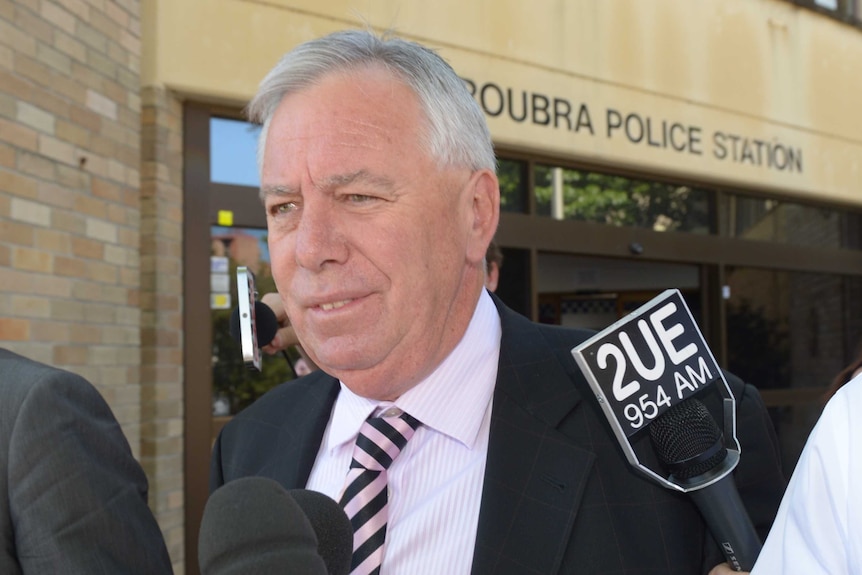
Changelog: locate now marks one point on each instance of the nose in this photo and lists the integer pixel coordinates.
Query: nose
(319, 240)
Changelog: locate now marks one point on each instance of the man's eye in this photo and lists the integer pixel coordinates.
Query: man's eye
(359, 198)
(285, 208)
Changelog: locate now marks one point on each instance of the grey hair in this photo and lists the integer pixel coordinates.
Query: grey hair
(455, 133)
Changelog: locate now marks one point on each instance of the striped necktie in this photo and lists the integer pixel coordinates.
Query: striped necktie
(365, 497)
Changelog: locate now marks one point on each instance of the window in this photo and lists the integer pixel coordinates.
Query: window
(845, 10)
(513, 185)
(234, 385)
(789, 333)
(233, 152)
(782, 222)
(566, 193)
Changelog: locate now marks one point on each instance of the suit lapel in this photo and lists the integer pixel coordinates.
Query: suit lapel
(285, 432)
(535, 475)
(320, 396)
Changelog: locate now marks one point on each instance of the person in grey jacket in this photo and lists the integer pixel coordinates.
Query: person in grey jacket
(73, 499)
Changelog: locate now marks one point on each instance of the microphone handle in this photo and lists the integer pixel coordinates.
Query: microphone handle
(729, 523)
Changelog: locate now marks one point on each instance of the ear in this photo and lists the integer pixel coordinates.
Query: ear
(485, 190)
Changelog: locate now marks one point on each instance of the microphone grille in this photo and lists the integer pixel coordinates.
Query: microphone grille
(687, 440)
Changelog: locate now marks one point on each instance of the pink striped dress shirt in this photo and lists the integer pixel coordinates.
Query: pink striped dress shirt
(436, 482)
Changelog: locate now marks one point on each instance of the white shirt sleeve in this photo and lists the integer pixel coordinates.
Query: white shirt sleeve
(817, 526)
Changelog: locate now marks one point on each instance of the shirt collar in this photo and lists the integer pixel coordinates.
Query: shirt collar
(452, 400)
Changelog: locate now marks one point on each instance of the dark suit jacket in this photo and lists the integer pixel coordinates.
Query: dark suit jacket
(559, 495)
(73, 500)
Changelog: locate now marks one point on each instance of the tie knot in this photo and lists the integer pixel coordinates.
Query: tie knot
(382, 438)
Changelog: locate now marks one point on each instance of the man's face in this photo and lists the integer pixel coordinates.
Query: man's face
(376, 250)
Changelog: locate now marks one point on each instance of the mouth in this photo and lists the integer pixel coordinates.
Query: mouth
(334, 305)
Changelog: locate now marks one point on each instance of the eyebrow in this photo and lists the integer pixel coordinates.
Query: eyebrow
(358, 177)
(277, 190)
(332, 182)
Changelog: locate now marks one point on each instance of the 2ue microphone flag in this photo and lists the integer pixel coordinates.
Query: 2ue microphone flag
(649, 361)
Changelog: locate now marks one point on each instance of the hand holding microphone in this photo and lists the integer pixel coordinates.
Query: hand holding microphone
(284, 336)
(255, 325)
(725, 569)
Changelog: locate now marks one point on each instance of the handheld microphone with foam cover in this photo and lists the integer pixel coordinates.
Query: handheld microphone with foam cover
(332, 527)
(690, 445)
(252, 525)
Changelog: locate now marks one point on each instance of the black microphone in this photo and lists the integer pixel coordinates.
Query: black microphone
(266, 324)
(690, 445)
(645, 370)
(332, 527)
(252, 525)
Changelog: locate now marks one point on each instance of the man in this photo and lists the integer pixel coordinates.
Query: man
(73, 500)
(381, 197)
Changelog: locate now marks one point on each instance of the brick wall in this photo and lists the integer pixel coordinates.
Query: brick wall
(90, 233)
(162, 318)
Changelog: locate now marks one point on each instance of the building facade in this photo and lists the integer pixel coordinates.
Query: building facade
(713, 147)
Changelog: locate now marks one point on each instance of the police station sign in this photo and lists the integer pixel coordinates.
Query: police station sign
(644, 364)
(634, 127)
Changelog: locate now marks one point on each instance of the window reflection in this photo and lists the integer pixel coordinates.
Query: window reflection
(789, 333)
(782, 222)
(513, 185)
(565, 193)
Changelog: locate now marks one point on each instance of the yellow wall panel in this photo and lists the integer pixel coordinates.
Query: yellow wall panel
(765, 71)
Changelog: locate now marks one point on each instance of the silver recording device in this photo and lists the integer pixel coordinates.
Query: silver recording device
(246, 296)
